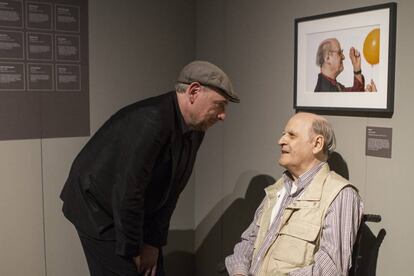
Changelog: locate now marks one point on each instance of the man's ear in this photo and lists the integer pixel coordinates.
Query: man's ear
(327, 58)
(193, 91)
(318, 143)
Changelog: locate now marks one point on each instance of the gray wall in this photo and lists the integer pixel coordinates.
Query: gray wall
(253, 41)
(136, 50)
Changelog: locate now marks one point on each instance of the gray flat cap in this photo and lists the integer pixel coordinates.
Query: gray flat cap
(208, 74)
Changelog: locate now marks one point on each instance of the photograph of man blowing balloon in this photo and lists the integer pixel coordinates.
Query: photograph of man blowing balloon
(360, 50)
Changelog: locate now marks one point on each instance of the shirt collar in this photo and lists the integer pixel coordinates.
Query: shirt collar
(295, 187)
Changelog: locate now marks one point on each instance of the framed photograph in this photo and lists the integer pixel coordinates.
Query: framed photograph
(345, 62)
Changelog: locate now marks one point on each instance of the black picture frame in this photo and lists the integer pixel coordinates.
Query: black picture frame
(372, 32)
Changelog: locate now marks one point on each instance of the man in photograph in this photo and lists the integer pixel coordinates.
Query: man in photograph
(329, 58)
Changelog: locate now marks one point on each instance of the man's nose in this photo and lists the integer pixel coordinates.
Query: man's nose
(281, 141)
(221, 116)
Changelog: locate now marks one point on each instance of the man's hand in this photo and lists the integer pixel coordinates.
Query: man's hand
(147, 260)
(355, 57)
(371, 87)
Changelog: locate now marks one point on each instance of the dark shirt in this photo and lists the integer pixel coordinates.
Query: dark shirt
(326, 84)
(168, 183)
(188, 151)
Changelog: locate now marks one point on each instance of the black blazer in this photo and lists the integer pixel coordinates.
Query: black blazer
(324, 85)
(122, 185)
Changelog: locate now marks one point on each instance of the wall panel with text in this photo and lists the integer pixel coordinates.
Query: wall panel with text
(44, 69)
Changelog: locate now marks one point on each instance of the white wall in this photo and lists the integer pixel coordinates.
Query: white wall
(136, 50)
(253, 41)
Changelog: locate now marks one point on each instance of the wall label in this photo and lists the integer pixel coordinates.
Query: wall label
(378, 142)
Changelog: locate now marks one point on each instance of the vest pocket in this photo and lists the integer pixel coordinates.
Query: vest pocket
(295, 244)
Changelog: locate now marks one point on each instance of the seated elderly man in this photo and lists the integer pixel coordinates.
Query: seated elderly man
(308, 220)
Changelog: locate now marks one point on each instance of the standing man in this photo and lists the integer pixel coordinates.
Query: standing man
(308, 221)
(124, 184)
(330, 58)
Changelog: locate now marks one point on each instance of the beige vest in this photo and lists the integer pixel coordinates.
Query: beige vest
(301, 223)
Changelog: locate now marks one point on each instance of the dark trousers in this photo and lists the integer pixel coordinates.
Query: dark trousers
(102, 260)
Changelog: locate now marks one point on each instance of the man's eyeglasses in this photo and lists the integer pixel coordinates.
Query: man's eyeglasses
(340, 52)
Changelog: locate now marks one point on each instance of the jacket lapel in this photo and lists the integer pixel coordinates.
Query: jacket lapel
(175, 152)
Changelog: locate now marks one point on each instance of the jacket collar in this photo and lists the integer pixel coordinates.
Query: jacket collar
(183, 126)
(314, 190)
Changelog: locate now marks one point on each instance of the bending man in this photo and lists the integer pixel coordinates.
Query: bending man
(124, 184)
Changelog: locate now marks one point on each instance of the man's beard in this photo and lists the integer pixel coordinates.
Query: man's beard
(203, 125)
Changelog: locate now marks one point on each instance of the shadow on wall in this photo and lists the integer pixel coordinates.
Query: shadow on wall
(338, 164)
(179, 256)
(226, 232)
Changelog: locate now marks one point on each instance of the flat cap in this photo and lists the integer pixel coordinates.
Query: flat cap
(208, 74)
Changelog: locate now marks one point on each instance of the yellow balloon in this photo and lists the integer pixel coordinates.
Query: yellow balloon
(372, 46)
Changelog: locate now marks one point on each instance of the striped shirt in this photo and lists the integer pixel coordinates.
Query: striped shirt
(339, 232)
